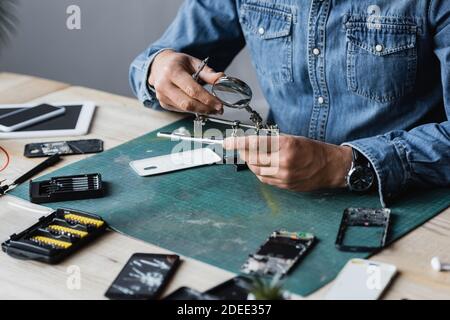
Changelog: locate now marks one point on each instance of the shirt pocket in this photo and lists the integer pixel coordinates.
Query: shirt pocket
(267, 28)
(381, 59)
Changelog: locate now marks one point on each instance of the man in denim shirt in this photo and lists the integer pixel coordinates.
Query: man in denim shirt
(360, 88)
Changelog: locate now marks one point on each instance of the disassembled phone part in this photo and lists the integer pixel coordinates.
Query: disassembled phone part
(353, 282)
(185, 293)
(144, 277)
(45, 149)
(363, 218)
(55, 236)
(237, 288)
(279, 254)
(175, 162)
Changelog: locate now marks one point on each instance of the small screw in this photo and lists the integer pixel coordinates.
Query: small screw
(437, 265)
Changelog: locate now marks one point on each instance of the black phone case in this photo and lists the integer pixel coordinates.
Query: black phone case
(113, 295)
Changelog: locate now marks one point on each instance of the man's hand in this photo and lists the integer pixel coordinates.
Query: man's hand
(171, 76)
(294, 163)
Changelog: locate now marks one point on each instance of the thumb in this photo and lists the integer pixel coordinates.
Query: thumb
(208, 75)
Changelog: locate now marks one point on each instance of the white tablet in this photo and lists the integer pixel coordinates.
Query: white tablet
(74, 122)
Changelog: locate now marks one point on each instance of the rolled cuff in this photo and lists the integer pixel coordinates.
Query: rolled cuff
(147, 93)
(388, 158)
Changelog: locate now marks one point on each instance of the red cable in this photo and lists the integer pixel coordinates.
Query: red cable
(7, 159)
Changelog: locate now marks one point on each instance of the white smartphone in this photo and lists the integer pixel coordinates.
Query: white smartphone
(362, 280)
(175, 162)
(25, 117)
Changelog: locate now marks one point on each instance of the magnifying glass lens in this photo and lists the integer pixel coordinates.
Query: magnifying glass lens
(232, 92)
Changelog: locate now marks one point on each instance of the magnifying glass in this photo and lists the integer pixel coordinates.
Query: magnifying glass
(232, 92)
(236, 94)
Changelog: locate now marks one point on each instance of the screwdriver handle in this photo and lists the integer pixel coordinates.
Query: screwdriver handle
(39, 168)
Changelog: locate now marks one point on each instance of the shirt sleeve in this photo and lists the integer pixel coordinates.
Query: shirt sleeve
(202, 28)
(420, 157)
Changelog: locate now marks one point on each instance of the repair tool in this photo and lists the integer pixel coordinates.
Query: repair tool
(235, 94)
(69, 188)
(55, 236)
(202, 66)
(41, 167)
(180, 137)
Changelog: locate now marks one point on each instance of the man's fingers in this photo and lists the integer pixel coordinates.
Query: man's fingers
(166, 103)
(267, 172)
(274, 182)
(187, 84)
(260, 159)
(261, 144)
(208, 75)
(183, 102)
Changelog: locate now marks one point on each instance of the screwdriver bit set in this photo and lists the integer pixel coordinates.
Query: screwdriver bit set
(55, 236)
(87, 186)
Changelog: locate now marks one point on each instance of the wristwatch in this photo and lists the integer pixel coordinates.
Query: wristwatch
(361, 177)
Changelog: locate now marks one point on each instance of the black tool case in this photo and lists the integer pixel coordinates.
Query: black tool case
(71, 228)
(79, 187)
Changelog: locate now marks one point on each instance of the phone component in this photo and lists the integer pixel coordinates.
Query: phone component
(175, 162)
(25, 117)
(44, 149)
(279, 253)
(362, 280)
(237, 288)
(185, 293)
(143, 277)
(357, 218)
(54, 237)
(69, 188)
(5, 188)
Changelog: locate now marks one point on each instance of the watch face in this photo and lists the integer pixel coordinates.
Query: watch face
(361, 179)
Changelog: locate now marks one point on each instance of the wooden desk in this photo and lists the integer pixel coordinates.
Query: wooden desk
(119, 119)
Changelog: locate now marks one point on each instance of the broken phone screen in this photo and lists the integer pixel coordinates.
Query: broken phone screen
(46, 149)
(279, 254)
(143, 277)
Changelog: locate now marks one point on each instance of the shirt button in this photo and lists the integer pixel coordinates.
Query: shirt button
(316, 51)
(261, 31)
(379, 48)
(321, 100)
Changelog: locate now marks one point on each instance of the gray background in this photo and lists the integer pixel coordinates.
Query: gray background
(113, 33)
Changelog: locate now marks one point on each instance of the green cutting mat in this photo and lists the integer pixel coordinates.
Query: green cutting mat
(219, 216)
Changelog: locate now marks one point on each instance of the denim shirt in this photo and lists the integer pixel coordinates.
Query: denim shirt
(371, 74)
